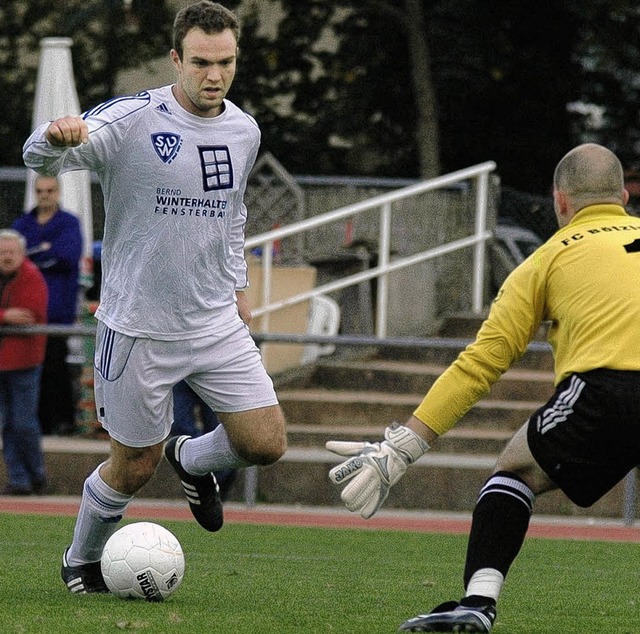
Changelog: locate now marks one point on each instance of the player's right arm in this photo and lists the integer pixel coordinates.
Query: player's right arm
(61, 146)
(90, 141)
(69, 131)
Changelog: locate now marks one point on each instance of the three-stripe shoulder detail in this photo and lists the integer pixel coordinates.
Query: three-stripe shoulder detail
(119, 107)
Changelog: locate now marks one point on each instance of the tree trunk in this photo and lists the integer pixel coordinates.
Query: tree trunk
(427, 129)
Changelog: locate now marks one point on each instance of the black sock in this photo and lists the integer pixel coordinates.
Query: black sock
(500, 522)
(476, 601)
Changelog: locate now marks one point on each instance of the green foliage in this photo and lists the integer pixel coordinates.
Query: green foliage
(106, 40)
(338, 102)
(333, 88)
(610, 59)
(504, 76)
(249, 579)
(504, 72)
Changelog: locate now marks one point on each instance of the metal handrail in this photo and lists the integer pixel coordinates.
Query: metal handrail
(629, 486)
(385, 265)
(454, 343)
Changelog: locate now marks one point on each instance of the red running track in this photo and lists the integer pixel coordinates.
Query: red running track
(553, 528)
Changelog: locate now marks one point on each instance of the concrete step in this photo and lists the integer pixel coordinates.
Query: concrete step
(438, 481)
(445, 481)
(458, 440)
(539, 358)
(322, 406)
(410, 377)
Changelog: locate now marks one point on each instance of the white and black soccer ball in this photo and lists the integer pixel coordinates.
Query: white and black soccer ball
(143, 560)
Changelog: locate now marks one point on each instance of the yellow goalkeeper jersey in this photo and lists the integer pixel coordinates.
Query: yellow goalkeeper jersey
(585, 280)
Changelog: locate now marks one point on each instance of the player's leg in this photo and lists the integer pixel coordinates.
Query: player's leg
(583, 441)
(134, 406)
(128, 469)
(237, 387)
(244, 438)
(106, 494)
(501, 517)
(252, 437)
(500, 522)
(258, 436)
(232, 381)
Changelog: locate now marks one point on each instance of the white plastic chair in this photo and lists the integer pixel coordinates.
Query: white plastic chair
(324, 319)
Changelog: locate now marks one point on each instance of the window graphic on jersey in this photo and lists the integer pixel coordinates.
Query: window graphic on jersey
(217, 172)
(167, 145)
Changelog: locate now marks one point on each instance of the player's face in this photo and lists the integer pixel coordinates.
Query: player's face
(206, 71)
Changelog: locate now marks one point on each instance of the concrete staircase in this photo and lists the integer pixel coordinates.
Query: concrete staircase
(356, 398)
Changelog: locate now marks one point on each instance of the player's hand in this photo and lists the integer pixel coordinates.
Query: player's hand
(243, 307)
(68, 131)
(374, 467)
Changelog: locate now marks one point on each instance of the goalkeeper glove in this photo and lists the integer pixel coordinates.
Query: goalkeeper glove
(374, 467)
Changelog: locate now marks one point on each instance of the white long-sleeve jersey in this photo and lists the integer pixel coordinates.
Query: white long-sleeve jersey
(173, 186)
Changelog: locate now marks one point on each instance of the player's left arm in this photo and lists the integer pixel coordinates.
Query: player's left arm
(371, 469)
(244, 310)
(237, 241)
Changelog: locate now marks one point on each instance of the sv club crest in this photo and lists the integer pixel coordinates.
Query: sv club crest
(167, 145)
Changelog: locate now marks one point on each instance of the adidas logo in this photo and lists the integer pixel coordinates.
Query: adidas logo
(163, 108)
(76, 585)
(191, 492)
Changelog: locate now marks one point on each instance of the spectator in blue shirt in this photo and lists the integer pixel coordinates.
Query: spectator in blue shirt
(54, 245)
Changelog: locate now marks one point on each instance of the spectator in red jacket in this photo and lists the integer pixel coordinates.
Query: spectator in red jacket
(23, 302)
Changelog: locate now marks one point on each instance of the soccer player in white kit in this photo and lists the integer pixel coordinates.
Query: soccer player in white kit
(173, 163)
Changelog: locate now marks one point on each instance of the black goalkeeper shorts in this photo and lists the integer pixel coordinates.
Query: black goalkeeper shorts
(587, 436)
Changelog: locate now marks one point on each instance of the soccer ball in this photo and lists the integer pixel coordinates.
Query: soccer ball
(142, 560)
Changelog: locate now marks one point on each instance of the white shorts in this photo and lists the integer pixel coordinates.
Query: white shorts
(134, 377)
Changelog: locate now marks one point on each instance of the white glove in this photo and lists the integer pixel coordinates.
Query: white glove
(375, 467)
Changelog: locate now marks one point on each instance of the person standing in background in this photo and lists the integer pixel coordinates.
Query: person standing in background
(23, 302)
(54, 245)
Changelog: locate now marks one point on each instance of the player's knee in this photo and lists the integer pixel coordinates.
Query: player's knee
(133, 468)
(266, 452)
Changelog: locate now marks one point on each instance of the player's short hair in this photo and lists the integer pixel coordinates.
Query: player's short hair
(209, 16)
(590, 173)
(12, 234)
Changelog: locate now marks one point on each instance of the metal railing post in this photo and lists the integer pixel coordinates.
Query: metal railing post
(267, 272)
(629, 498)
(480, 247)
(384, 251)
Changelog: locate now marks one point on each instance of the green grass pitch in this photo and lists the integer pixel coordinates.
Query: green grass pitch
(280, 580)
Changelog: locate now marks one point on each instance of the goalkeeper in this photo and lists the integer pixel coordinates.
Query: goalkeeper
(584, 281)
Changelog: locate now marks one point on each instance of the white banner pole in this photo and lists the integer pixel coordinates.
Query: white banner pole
(56, 96)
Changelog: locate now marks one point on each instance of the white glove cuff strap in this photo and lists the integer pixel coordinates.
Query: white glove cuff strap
(406, 441)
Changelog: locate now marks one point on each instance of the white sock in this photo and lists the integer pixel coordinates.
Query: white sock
(101, 508)
(210, 452)
(486, 582)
